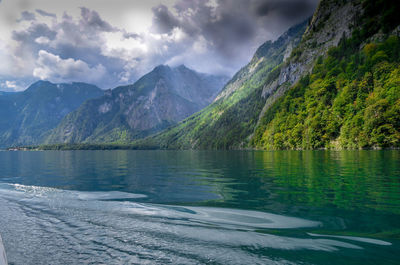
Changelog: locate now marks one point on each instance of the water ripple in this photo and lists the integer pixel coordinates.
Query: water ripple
(95, 227)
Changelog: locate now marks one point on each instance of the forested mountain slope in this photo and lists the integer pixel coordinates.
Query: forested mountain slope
(231, 118)
(339, 88)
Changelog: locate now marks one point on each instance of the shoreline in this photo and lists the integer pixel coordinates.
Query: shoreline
(99, 147)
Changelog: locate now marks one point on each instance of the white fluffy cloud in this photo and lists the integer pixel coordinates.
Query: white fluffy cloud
(52, 67)
(11, 86)
(42, 40)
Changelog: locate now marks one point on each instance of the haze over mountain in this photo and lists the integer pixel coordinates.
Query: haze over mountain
(26, 117)
(159, 99)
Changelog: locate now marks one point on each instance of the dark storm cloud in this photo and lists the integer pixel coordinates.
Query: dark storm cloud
(45, 14)
(34, 31)
(163, 20)
(27, 40)
(91, 19)
(232, 26)
(287, 9)
(228, 30)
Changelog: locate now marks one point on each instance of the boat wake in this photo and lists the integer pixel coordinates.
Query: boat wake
(51, 226)
(3, 257)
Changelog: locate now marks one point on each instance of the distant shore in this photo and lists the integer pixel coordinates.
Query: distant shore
(71, 147)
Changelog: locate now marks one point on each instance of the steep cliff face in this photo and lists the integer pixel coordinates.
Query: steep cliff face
(157, 100)
(333, 20)
(231, 118)
(268, 55)
(346, 65)
(27, 116)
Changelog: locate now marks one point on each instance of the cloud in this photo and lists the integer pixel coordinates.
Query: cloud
(163, 21)
(45, 14)
(285, 8)
(27, 16)
(42, 40)
(11, 86)
(91, 19)
(128, 35)
(228, 30)
(52, 67)
(27, 42)
(35, 30)
(212, 36)
(81, 40)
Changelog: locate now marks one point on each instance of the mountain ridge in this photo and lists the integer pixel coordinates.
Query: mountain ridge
(157, 100)
(234, 112)
(28, 115)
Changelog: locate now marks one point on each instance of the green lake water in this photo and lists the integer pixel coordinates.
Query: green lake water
(200, 207)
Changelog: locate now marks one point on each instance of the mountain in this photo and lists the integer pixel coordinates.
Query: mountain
(27, 116)
(336, 88)
(159, 99)
(232, 117)
(345, 87)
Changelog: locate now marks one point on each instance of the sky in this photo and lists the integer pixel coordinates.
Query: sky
(115, 42)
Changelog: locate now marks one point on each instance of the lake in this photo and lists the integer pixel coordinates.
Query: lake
(200, 207)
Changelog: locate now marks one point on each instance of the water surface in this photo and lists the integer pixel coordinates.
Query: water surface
(196, 207)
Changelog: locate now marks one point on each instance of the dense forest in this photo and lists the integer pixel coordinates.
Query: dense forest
(352, 97)
(351, 100)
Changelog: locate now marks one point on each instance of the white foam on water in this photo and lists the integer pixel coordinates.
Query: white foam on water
(3, 257)
(356, 238)
(108, 195)
(84, 227)
(248, 218)
(95, 195)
